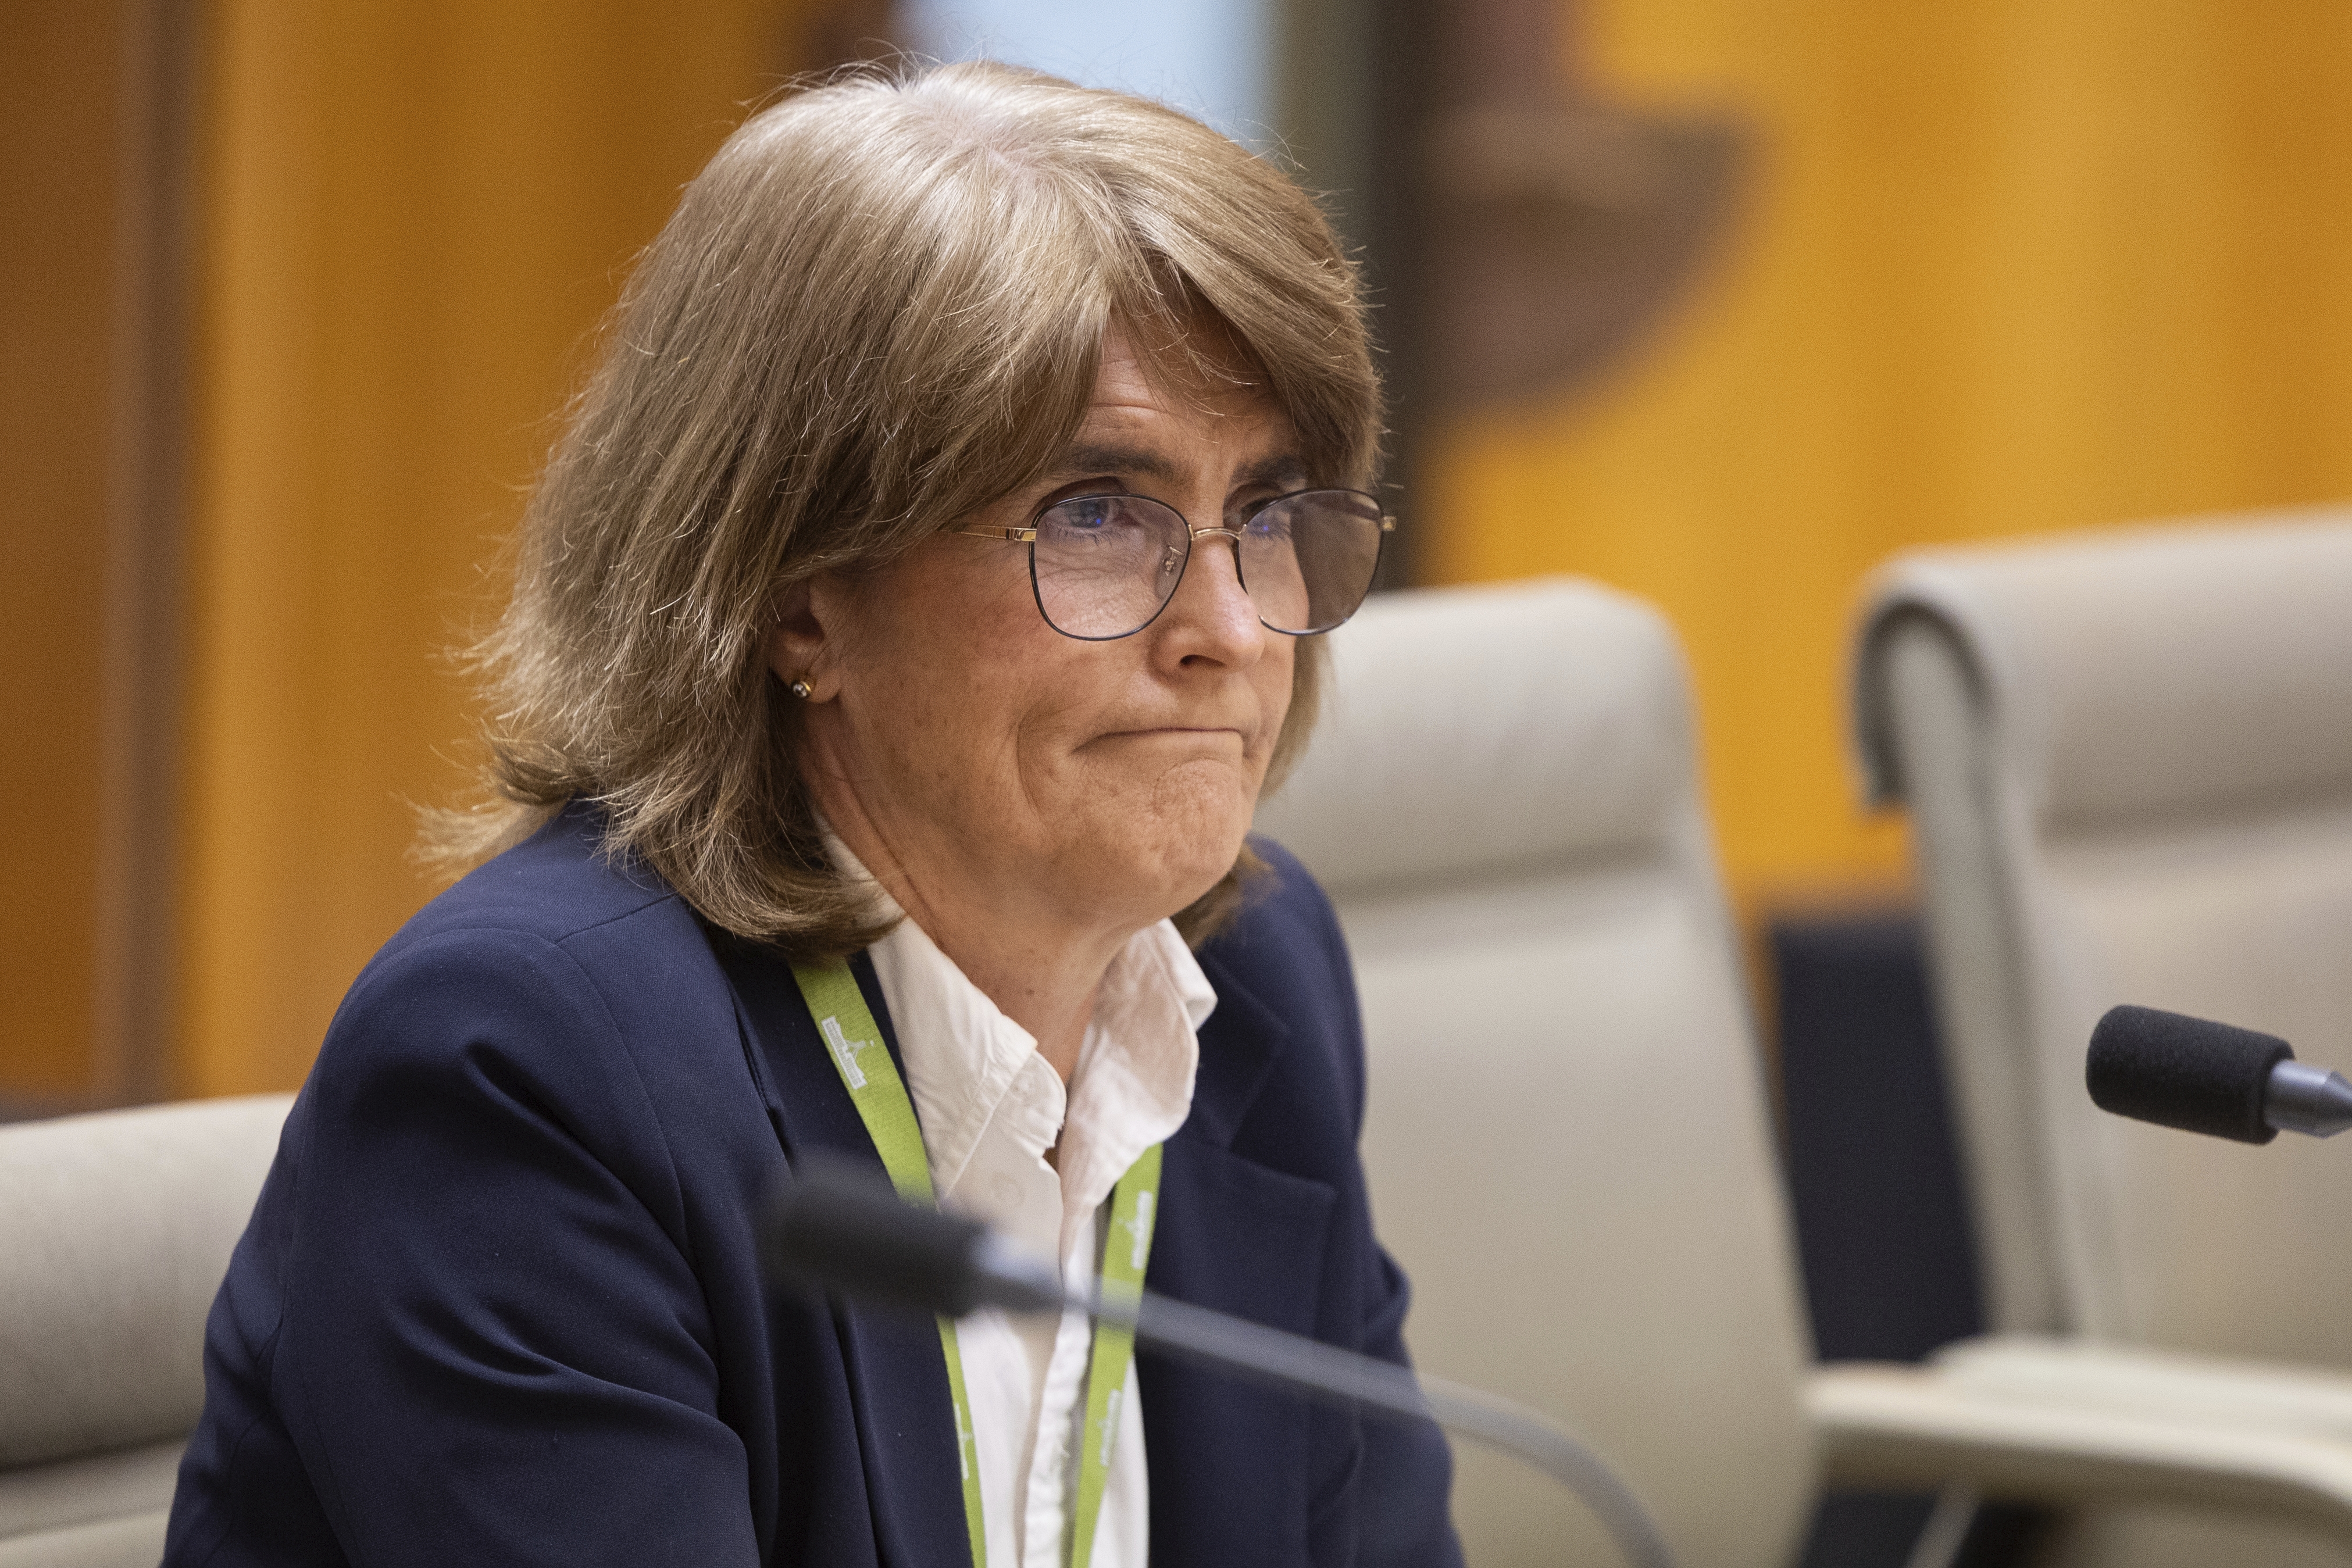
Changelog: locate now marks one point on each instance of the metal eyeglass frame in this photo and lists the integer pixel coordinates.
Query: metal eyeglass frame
(1028, 535)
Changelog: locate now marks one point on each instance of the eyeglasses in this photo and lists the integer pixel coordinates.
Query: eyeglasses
(1105, 566)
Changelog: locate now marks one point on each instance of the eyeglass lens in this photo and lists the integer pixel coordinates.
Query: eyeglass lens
(1104, 565)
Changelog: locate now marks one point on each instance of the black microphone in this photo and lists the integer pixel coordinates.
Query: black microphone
(2213, 1078)
(838, 1228)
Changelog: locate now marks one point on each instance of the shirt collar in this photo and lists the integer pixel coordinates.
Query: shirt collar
(972, 1069)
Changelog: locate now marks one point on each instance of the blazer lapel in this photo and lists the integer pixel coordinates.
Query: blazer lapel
(1239, 1045)
(1244, 1239)
(896, 1375)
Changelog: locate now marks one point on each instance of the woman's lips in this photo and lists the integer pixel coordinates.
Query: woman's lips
(1233, 730)
(1178, 735)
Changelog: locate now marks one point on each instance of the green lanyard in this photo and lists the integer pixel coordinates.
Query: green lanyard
(872, 1079)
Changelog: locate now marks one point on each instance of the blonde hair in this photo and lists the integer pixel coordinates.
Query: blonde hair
(878, 308)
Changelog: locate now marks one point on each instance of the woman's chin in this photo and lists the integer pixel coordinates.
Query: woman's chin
(1208, 807)
(1190, 866)
(1149, 849)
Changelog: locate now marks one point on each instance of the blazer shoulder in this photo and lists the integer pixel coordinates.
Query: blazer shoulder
(553, 949)
(555, 884)
(552, 985)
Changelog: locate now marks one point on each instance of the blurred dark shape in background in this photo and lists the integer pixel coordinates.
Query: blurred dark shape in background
(1520, 231)
(1527, 230)
(1882, 1227)
(100, 115)
(839, 33)
(1554, 225)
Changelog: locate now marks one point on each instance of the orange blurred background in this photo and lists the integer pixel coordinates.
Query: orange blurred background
(2001, 268)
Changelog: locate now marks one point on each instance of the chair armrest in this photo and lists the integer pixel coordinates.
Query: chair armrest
(2273, 1396)
(1920, 1428)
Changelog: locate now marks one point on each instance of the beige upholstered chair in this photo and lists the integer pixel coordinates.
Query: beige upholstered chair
(1567, 1135)
(115, 1231)
(2129, 760)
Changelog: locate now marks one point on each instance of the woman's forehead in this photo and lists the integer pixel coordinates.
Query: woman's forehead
(1164, 436)
(1260, 456)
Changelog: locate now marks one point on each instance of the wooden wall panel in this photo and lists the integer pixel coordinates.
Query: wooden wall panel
(416, 212)
(2007, 268)
(59, 148)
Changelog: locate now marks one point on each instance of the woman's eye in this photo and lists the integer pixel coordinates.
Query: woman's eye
(1092, 502)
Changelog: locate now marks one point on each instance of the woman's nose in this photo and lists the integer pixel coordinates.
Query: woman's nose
(1212, 613)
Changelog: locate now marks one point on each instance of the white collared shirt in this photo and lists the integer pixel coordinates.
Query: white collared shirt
(991, 1107)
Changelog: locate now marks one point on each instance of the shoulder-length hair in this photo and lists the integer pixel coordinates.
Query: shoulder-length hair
(880, 308)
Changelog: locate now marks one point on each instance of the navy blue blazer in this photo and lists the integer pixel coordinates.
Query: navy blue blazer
(499, 1301)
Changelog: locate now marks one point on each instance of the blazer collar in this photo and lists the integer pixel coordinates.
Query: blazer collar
(896, 1375)
(1239, 1046)
(1240, 1043)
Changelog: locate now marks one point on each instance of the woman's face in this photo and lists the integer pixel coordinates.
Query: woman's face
(1061, 782)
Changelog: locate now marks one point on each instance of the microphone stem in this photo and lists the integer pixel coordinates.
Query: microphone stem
(1340, 1376)
(2301, 1098)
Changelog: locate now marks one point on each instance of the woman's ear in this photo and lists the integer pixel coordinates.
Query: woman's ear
(801, 649)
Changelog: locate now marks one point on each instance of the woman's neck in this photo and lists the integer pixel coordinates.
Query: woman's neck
(1041, 970)
(1044, 981)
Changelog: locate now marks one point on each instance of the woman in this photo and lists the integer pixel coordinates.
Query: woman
(920, 599)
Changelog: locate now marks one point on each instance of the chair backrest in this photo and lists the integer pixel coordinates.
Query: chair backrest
(115, 1231)
(1566, 1136)
(2128, 759)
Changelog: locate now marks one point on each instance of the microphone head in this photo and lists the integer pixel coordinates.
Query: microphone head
(2184, 1073)
(833, 1228)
